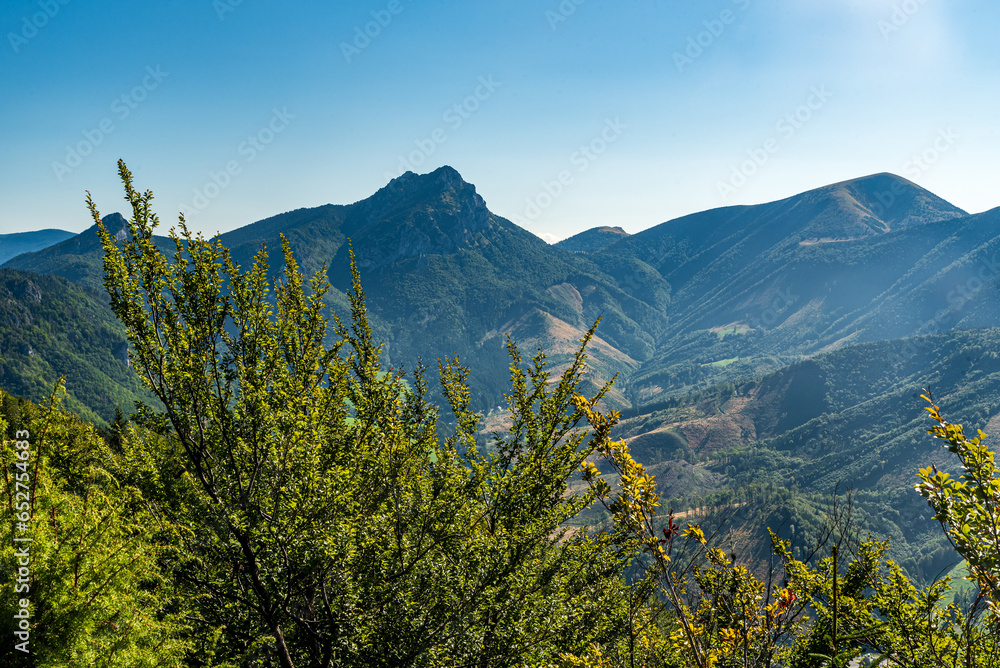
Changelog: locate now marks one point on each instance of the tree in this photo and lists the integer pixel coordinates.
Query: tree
(95, 592)
(317, 516)
(968, 507)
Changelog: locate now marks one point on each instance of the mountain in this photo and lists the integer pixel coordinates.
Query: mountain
(703, 243)
(49, 328)
(724, 294)
(12, 245)
(592, 240)
(445, 275)
(78, 258)
(756, 287)
(711, 251)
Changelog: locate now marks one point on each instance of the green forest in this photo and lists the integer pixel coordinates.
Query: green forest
(281, 496)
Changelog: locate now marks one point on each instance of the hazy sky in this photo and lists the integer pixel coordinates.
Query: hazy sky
(565, 115)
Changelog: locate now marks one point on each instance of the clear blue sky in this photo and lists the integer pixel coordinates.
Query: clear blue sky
(668, 98)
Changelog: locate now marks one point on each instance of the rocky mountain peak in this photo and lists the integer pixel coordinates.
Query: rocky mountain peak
(444, 184)
(116, 224)
(417, 215)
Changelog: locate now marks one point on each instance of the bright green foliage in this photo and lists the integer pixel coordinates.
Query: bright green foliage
(967, 507)
(318, 519)
(97, 595)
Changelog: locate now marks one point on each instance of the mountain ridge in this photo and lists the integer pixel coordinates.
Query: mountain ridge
(594, 239)
(18, 243)
(76, 258)
(728, 292)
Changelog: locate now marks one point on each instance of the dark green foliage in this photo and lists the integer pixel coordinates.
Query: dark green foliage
(51, 328)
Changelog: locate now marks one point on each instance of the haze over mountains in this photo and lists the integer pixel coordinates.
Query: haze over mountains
(779, 341)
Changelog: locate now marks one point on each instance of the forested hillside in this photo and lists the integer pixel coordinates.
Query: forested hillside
(50, 328)
(847, 419)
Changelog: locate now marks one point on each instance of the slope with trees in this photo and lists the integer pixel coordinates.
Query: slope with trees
(50, 328)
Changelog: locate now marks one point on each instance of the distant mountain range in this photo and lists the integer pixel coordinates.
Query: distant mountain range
(12, 245)
(783, 343)
(865, 260)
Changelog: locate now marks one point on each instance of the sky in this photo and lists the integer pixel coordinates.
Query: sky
(565, 114)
